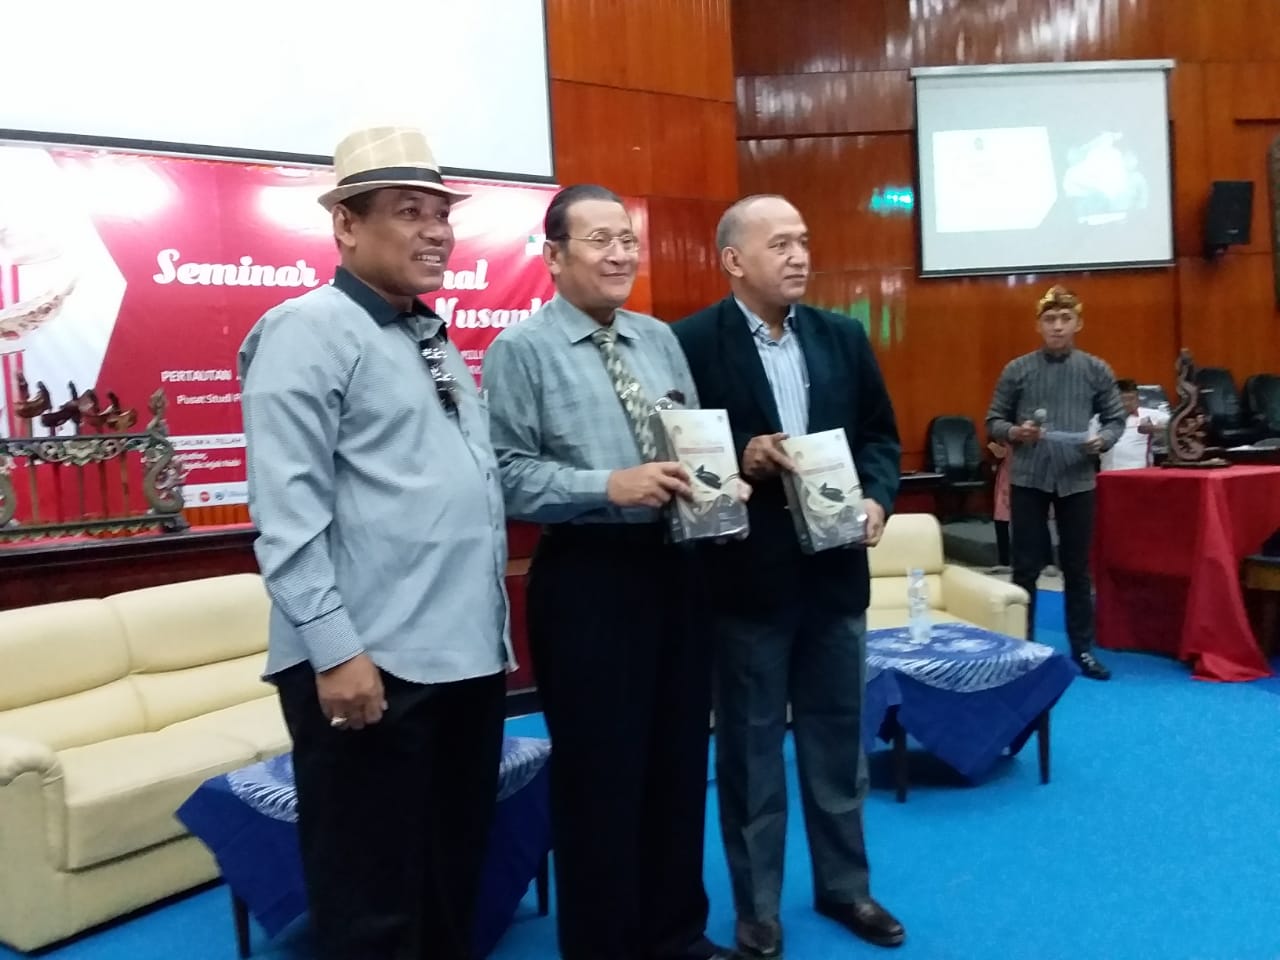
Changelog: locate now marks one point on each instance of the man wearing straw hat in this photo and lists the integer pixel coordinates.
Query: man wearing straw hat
(382, 543)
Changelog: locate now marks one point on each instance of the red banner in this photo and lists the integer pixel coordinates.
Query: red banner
(126, 273)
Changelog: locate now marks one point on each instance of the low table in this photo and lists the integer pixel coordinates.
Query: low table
(967, 696)
(248, 820)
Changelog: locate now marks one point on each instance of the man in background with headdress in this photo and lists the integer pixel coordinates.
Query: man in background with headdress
(1042, 408)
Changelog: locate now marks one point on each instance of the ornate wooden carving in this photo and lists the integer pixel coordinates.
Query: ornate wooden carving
(32, 456)
(1188, 425)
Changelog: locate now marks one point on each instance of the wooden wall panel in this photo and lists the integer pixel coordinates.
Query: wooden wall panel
(643, 144)
(682, 250)
(835, 181)
(1229, 318)
(641, 299)
(825, 116)
(1220, 31)
(591, 141)
(820, 36)
(1190, 157)
(643, 101)
(825, 103)
(665, 46)
(1238, 138)
(1030, 31)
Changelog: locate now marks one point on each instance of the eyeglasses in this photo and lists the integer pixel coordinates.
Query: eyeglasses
(603, 241)
(434, 354)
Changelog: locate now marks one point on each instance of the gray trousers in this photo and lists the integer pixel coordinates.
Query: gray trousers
(817, 662)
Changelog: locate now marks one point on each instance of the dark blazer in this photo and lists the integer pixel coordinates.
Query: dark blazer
(845, 390)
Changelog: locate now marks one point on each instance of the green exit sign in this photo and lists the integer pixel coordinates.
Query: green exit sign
(893, 200)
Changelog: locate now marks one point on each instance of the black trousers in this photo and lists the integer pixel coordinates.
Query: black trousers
(624, 678)
(1002, 542)
(1029, 509)
(394, 819)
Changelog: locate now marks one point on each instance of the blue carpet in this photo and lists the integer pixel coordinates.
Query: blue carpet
(1156, 839)
(1271, 684)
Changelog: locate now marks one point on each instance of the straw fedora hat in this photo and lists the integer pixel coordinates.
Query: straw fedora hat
(385, 157)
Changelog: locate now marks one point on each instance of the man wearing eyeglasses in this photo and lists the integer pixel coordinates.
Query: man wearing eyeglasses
(623, 675)
(382, 542)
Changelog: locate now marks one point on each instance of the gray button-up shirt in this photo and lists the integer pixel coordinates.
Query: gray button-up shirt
(1070, 389)
(380, 517)
(558, 427)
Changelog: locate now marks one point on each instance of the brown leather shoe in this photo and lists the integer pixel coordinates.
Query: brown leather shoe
(759, 939)
(866, 919)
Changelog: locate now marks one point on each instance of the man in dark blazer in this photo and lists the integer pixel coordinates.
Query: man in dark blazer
(790, 627)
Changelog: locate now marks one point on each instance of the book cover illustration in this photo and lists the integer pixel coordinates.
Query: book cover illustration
(701, 441)
(824, 494)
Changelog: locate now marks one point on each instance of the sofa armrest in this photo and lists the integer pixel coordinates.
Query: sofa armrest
(32, 814)
(985, 601)
(19, 755)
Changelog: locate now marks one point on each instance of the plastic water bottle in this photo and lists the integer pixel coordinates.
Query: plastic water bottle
(918, 606)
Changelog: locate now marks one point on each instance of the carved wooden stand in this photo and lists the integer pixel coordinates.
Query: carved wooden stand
(1186, 429)
(54, 458)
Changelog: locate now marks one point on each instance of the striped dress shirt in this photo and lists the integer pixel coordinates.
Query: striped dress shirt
(785, 369)
(1070, 389)
(558, 426)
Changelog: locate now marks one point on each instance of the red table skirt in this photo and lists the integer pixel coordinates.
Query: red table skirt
(1167, 550)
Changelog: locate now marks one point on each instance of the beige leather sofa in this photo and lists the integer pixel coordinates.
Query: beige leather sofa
(112, 712)
(914, 540)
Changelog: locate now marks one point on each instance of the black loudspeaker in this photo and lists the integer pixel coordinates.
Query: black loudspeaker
(1230, 215)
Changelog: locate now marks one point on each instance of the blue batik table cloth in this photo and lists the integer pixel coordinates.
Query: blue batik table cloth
(966, 695)
(248, 820)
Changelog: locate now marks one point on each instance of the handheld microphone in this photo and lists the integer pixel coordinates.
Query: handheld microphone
(1040, 416)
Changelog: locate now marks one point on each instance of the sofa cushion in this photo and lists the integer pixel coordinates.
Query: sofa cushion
(196, 646)
(62, 669)
(259, 724)
(176, 695)
(121, 794)
(911, 540)
(217, 618)
(112, 710)
(55, 649)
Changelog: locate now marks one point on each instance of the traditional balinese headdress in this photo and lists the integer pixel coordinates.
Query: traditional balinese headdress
(1059, 298)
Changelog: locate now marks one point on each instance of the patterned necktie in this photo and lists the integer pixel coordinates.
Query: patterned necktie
(629, 392)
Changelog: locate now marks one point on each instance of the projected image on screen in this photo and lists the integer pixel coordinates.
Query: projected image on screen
(1042, 171)
(993, 179)
(1103, 180)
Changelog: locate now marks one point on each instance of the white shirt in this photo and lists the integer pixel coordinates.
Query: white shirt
(1133, 450)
